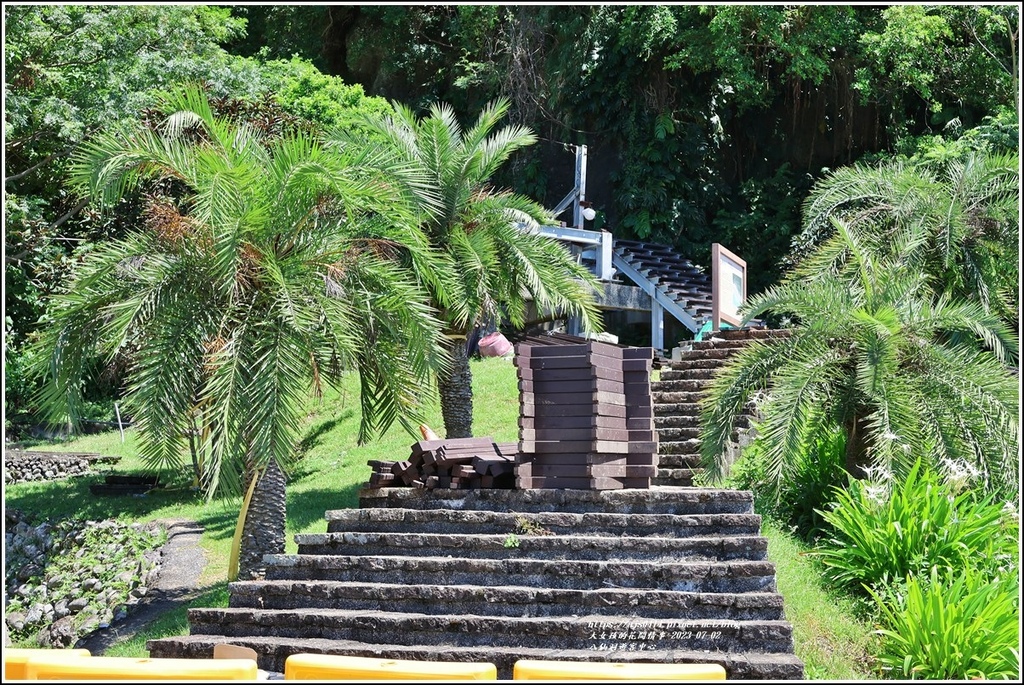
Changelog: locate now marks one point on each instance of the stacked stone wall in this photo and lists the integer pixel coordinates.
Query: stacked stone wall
(24, 467)
(55, 606)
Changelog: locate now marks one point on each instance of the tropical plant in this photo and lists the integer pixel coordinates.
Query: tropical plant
(487, 261)
(265, 269)
(903, 371)
(796, 501)
(953, 624)
(883, 531)
(968, 207)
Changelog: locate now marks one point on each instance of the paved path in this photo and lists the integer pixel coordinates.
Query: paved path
(182, 561)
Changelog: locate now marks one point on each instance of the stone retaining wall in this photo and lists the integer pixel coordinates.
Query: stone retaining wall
(22, 467)
(56, 607)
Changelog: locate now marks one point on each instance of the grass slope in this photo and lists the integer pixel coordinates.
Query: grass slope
(328, 473)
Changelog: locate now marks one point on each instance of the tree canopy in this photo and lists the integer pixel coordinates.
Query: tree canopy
(704, 123)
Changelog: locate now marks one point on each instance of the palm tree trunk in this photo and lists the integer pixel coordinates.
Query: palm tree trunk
(264, 528)
(456, 391)
(857, 460)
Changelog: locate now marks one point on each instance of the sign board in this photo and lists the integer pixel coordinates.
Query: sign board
(728, 287)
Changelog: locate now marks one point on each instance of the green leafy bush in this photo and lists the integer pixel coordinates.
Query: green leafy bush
(883, 533)
(302, 90)
(796, 500)
(952, 625)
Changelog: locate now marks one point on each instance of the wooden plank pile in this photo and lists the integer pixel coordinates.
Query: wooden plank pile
(458, 463)
(586, 416)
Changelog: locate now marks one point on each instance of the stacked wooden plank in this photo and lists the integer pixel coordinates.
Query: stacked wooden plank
(586, 416)
(458, 463)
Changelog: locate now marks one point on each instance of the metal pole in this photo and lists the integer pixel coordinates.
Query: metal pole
(581, 184)
(119, 426)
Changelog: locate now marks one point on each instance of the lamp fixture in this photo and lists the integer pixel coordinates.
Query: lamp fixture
(587, 210)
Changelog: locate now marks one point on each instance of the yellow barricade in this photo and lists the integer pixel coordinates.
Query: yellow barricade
(15, 659)
(527, 669)
(129, 668)
(339, 667)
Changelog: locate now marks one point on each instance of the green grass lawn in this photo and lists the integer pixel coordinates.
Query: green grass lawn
(328, 473)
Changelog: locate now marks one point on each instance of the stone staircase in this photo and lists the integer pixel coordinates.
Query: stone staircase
(660, 575)
(676, 396)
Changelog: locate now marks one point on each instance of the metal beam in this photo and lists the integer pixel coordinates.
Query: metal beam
(670, 305)
(602, 240)
(657, 326)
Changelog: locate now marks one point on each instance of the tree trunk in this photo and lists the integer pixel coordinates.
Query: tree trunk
(857, 460)
(456, 391)
(264, 528)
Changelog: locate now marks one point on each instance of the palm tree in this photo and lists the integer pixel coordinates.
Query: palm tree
(904, 372)
(274, 273)
(487, 261)
(967, 206)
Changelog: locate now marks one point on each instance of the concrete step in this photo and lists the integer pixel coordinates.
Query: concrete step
(698, 576)
(674, 397)
(704, 374)
(718, 344)
(630, 501)
(678, 434)
(688, 385)
(676, 409)
(679, 370)
(504, 600)
(679, 461)
(681, 477)
(752, 333)
(704, 353)
(565, 632)
(676, 421)
(272, 652)
(691, 446)
(442, 521)
(514, 546)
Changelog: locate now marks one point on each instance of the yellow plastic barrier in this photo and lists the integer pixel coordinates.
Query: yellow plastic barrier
(339, 667)
(129, 668)
(527, 669)
(15, 659)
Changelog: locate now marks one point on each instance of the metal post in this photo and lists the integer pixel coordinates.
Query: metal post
(604, 260)
(119, 426)
(657, 326)
(581, 185)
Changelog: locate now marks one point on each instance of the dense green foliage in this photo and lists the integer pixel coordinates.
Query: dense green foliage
(73, 71)
(968, 205)
(940, 562)
(956, 624)
(903, 370)
(882, 531)
(486, 262)
(270, 272)
(797, 500)
(704, 123)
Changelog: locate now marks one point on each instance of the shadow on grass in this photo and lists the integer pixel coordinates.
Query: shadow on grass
(310, 506)
(313, 437)
(71, 498)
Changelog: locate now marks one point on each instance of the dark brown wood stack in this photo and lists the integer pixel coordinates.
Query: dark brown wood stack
(586, 416)
(459, 463)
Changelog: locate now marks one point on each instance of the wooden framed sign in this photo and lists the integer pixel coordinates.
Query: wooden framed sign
(728, 287)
